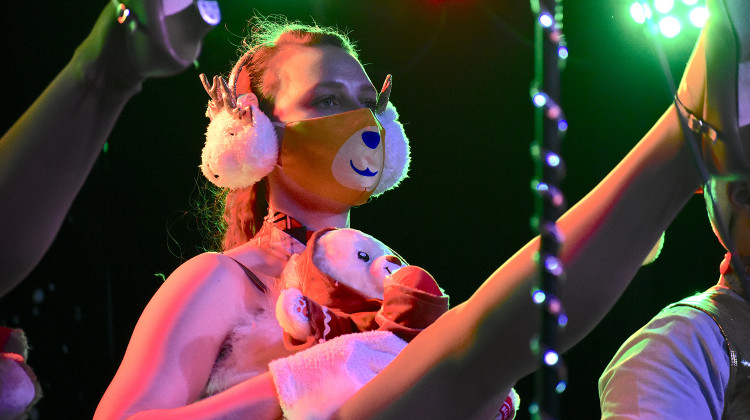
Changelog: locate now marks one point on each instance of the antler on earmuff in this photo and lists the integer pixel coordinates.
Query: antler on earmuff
(385, 94)
(221, 96)
(224, 97)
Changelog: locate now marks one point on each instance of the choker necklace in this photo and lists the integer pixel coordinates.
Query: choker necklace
(291, 226)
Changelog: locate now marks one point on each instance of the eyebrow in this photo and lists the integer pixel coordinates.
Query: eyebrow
(363, 88)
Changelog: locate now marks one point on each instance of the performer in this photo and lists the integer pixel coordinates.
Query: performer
(689, 360)
(309, 80)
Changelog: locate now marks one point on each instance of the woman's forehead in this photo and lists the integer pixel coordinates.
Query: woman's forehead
(303, 68)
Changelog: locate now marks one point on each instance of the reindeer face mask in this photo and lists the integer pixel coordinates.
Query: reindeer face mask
(340, 157)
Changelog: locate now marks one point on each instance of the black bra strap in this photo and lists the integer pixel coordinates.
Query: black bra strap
(256, 281)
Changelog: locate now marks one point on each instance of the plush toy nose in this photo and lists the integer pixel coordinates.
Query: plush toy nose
(393, 259)
(384, 266)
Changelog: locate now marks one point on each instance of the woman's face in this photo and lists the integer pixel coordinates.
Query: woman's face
(312, 82)
(317, 81)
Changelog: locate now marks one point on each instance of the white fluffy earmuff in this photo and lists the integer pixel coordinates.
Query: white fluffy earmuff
(237, 153)
(397, 151)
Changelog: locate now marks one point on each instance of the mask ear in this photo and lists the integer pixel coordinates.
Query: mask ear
(238, 153)
(397, 152)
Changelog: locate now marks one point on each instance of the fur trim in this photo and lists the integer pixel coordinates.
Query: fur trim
(237, 154)
(254, 340)
(397, 151)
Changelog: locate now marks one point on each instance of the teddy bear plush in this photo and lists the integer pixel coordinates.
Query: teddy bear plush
(347, 281)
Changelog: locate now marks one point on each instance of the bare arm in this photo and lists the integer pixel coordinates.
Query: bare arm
(176, 343)
(607, 236)
(47, 154)
(254, 398)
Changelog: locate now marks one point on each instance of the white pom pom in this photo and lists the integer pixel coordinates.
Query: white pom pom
(238, 154)
(397, 155)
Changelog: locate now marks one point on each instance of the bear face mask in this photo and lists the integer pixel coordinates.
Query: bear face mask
(340, 157)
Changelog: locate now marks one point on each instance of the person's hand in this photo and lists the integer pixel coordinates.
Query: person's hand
(165, 36)
(139, 39)
(315, 383)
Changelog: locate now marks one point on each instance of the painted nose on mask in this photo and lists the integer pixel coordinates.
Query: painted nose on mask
(371, 139)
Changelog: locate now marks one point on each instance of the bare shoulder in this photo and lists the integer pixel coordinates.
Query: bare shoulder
(192, 313)
(257, 260)
(211, 275)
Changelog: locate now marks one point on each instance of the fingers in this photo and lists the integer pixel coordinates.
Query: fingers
(384, 95)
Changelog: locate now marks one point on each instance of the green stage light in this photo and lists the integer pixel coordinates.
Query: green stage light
(663, 6)
(638, 13)
(669, 26)
(698, 16)
(671, 17)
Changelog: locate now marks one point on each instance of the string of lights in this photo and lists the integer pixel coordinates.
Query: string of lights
(550, 126)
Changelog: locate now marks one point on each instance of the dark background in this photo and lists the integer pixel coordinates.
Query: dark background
(462, 71)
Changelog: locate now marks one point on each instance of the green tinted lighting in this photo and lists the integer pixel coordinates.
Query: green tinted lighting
(663, 6)
(638, 13)
(698, 16)
(669, 26)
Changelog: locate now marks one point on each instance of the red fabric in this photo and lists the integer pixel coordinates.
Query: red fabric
(507, 410)
(406, 310)
(417, 278)
(4, 336)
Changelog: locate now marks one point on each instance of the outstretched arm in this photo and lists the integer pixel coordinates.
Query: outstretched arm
(482, 346)
(47, 154)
